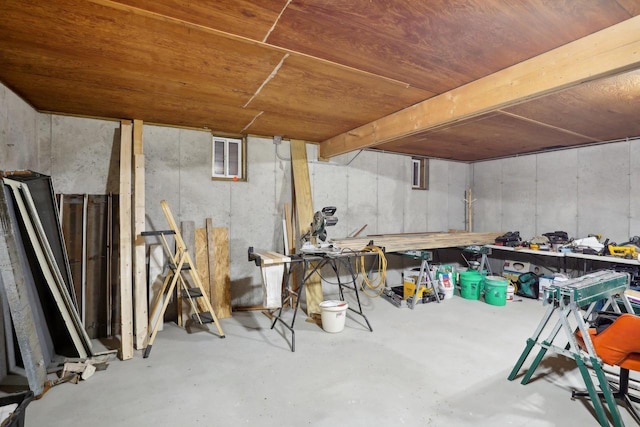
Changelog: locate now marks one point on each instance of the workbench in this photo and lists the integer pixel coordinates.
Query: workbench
(562, 257)
(308, 264)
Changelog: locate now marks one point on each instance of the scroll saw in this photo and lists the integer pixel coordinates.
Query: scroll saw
(318, 231)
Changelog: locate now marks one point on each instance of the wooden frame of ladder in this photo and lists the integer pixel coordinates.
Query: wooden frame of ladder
(179, 263)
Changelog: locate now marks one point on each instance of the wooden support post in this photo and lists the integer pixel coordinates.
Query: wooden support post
(125, 247)
(140, 292)
(304, 216)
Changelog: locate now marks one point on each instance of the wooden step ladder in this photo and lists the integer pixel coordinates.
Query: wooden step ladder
(180, 263)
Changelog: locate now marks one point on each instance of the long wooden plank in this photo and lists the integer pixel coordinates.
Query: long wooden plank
(125, 243)
(288, 224)
(399, 243)
(304, 215)
(188, 240)
(201, 259)
(221, 290)
(140, 292)
(601, 54)
(270, 257)
(156, 277)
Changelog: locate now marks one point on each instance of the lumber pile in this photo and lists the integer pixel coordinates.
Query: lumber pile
(416, 241)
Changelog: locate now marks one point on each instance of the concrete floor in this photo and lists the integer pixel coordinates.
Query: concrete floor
(438, 365)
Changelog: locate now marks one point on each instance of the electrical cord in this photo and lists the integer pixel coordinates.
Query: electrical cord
(374, 288)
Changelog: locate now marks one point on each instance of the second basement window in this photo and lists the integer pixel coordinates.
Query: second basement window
(228, 159)
(419, 173)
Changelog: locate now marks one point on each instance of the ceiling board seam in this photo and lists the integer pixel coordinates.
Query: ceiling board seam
(264, 40)
(551, 150)
(251, 122)
(624, 7)
(559, 129)
(192, 25)
(267, 80)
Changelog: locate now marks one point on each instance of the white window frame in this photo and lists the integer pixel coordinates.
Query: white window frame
(224, 158)
(419, 173)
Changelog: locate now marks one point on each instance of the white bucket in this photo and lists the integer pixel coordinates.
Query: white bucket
(333, 314)
(446, 288)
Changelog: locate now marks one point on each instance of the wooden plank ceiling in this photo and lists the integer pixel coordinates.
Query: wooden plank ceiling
(322, 70)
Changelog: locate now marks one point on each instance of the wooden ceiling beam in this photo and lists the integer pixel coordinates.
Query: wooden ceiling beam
(608, 52)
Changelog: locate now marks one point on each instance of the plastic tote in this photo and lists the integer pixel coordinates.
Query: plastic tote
(333, 314)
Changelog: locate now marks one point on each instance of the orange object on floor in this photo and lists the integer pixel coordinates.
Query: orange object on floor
(619, 345)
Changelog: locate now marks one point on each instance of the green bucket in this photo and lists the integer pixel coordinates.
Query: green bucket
(470, 284)
(495, 290)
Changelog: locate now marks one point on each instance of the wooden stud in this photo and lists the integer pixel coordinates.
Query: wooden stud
(358, 231)
(601, 54)
(140, 292)
(304, 216)
(125, 247)
(185, 242)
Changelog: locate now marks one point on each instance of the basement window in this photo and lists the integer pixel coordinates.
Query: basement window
(419, 173)
(228, 161)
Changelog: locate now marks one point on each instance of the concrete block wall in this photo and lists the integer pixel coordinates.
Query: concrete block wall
(18, 129)
(370, 187)
(581, 191)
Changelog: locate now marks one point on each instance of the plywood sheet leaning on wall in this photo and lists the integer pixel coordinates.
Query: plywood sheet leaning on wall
(304, 216)
(220, 277)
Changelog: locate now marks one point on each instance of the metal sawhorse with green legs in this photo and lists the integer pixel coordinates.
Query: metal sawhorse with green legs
(567, 299)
